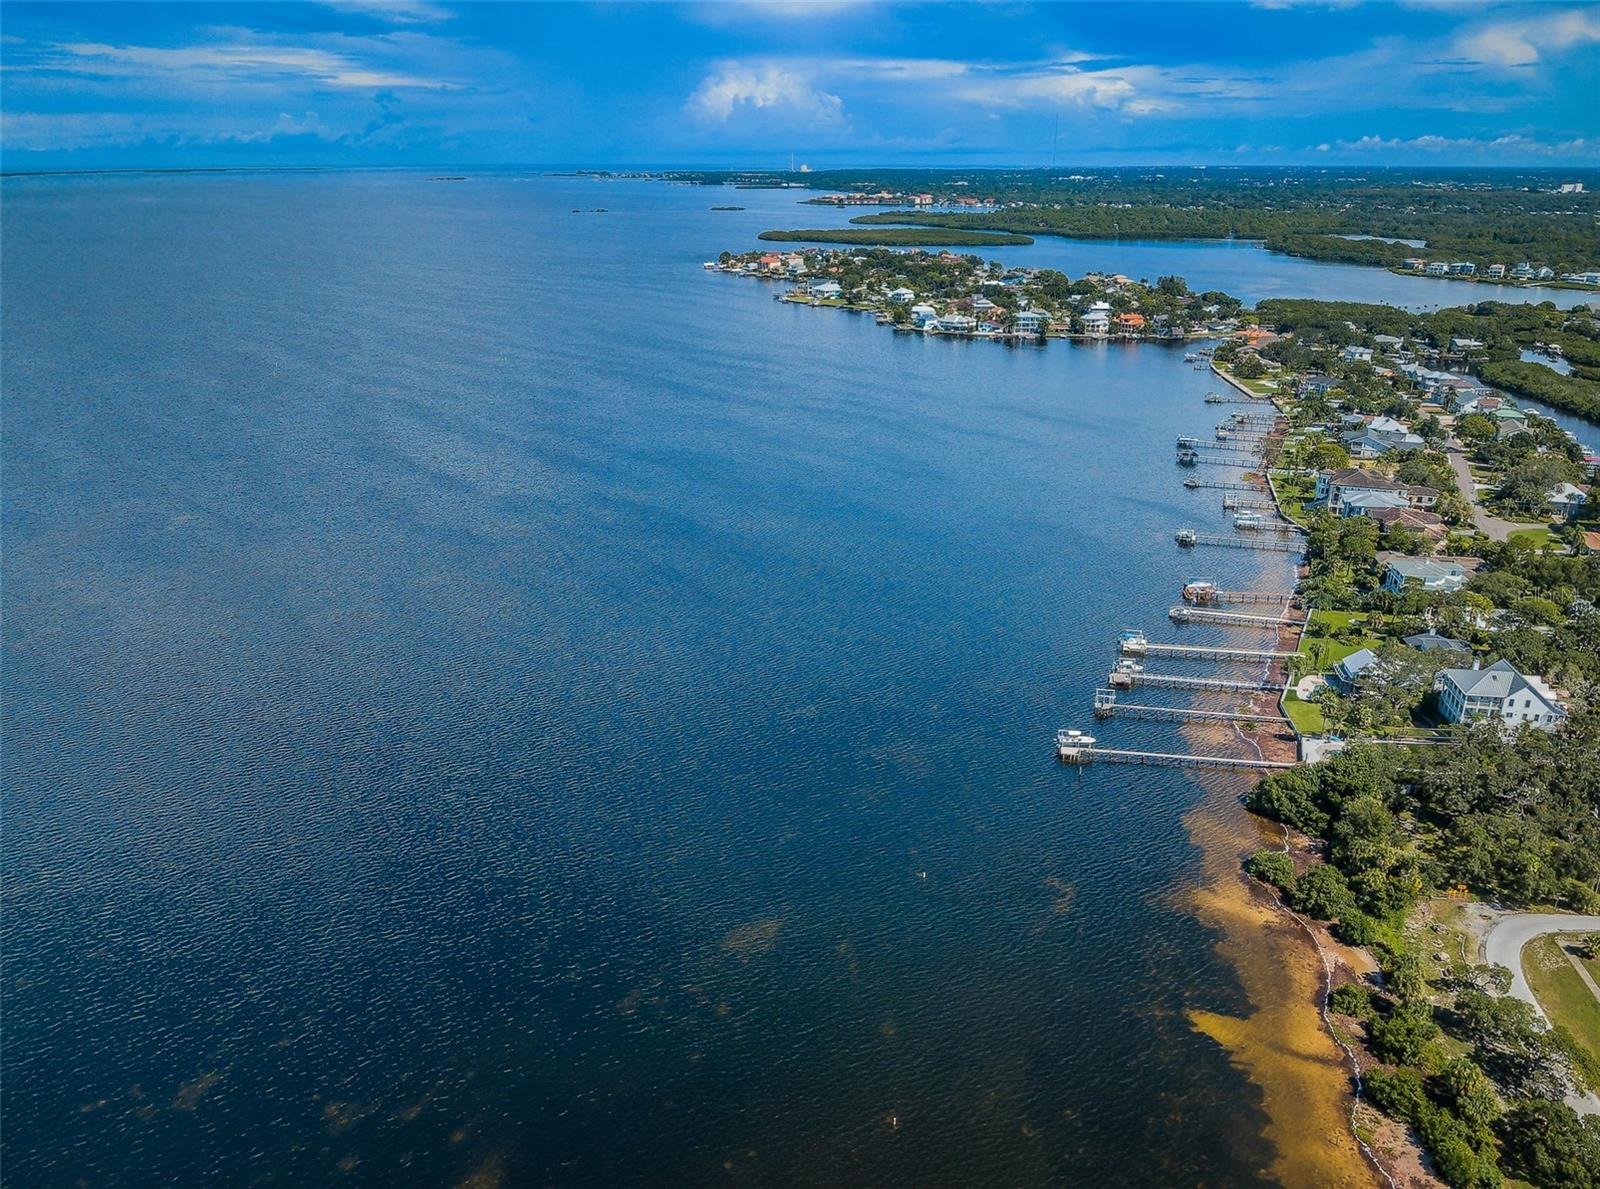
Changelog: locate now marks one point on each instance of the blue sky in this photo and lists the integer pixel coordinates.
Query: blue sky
(430, 82)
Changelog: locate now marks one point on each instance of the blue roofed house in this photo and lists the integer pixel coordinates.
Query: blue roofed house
(1432, 641)
(1348, 671)
(1364, 503)
(1567, 500)
(1429, 573)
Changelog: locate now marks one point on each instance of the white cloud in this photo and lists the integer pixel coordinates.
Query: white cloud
(1527, 41)
(235, 61)
(735, 86)
(399, 12)
(1512, 144)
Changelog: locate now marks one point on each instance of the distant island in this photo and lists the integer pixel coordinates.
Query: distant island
(1512, 227)
(727, 208)
(903, 237)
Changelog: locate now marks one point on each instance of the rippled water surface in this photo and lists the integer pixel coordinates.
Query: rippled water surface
(485, 697)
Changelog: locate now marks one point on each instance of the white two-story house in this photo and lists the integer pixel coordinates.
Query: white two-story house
(1466, 695)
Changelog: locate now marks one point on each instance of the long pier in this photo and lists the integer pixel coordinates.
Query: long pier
(1199, 652)
(1235, 619)
(1213, 595)
(1273, 542)
(1078, 749)
(1243, 503)
(1216, 398)
(1212, 460)
(1122, 679)
(1216, 448)
(1218, 485)
(1107, 706)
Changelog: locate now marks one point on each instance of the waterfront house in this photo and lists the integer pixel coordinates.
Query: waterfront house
(1429, 573)
(1497, 271)
(955, 324)
(1415, 263)
(1566, 501)
(1498, 692)
(1432, 641)
(1438, 269)
(1097, 320)
(1463, 268)
(1365, 503)
(1522, 272)
(1332, 488)
(826, 290)
(1509, 421)
(1429, 525)
(1130, 325)
(923, 316)
(1032, 321)
(1348, 671)
(1582, 278)
(1544, 273)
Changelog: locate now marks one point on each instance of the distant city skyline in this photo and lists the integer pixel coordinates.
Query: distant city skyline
(415, 82)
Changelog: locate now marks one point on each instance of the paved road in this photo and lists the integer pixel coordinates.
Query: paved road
(1503, 945)
(1491, 526)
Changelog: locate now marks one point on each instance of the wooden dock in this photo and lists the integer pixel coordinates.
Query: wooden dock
(1219, 485)
(1079, 749)
(1223, 460)
(1234, 619)
(1122, 679)
(1214, 596)
(1269, 541)
(1198, 652)
(1107, 706)
(1243, 503)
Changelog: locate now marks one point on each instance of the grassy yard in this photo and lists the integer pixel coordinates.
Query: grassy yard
(1293, 492)
(1563, 995)
(1542, 537)
(1318, 645)
(1306, 716)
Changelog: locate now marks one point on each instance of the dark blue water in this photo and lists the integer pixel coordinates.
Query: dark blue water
(486, 697)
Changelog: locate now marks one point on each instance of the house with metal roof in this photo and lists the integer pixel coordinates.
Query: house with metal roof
(1427, 572)
(1498, 692)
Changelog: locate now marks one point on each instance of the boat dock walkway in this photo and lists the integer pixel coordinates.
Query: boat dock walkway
(1274, 542)
(1123, 679)
(1073, 747)
(1219, 485)
(1107, 706)
(1139, 646)
(1209, 595)
(1234, 619)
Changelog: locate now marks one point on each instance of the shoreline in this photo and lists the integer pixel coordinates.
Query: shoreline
(1288, 1046)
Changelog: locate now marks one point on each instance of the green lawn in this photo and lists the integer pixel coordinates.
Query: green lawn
(1306, 716)
(1317, 642)
(1542, 536)
(1563, 995)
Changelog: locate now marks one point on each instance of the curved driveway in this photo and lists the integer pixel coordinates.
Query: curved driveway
(1503, 945)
